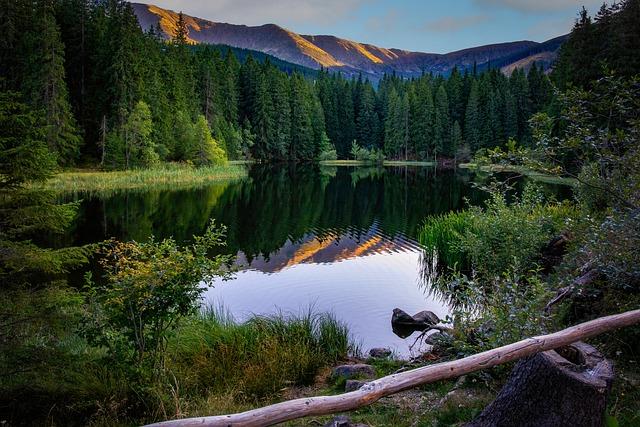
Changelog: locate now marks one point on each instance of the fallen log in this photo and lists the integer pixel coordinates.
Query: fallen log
(373, 391)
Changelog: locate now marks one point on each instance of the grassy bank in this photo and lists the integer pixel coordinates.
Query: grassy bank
(537, 176)
(213, 354)
(385, 163)
(166, 176)
(212, 365)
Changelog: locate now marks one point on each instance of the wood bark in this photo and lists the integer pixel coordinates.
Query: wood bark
(567, 387)
(395, 383)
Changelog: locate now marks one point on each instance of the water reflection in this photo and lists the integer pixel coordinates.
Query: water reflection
(342, 239)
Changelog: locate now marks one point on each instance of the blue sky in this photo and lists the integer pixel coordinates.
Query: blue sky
(427, 25)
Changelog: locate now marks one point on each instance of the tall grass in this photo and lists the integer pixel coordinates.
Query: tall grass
(257, 358)
(440, 235)
(165, 176)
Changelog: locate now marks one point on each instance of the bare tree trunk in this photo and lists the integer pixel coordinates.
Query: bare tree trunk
(565, 387)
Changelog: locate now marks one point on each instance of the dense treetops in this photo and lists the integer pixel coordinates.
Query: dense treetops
(609, 40)
(113, 95)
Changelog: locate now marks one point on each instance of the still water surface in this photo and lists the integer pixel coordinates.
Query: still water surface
(339, 239)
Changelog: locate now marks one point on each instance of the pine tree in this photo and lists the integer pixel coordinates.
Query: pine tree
(442, 123)
(181, 33)
(205, 150)
(367, 122)
(44, 84)
(139, 148)
(472, 118)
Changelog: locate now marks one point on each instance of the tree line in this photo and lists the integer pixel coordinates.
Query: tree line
(109, 93)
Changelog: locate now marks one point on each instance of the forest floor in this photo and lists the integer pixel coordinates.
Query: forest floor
(167, 176)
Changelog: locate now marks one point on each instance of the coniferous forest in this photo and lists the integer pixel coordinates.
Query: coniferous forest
(139, 173)
(112, 95)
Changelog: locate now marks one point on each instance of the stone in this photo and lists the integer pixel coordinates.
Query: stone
(426, 317)
(404, 325)
(380, 353)
(353, 385)
(343, 421)
(433, 339)
(359, 370)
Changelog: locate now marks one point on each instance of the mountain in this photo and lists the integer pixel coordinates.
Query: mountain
(349, 57)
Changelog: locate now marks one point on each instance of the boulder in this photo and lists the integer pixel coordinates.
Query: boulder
(404, 325)
(380, 353)
(353, 385)
(359, 370)
(426, 317)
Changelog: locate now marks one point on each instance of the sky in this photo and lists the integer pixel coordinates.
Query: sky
(419, 25)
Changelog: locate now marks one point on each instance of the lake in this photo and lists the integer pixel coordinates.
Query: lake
(337, 239)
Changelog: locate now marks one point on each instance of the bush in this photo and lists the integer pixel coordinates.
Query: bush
(147, 289)
(362, 154)
(486, 241)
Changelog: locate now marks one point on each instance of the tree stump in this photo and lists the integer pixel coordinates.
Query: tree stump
(567, 387)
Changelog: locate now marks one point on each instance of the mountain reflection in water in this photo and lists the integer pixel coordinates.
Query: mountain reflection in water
(342, 239)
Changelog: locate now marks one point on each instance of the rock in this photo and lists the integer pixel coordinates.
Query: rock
(343, 421)
(380, 353)
(353, 385)
(404, 325)
(400, 317)
(359, 370)
(433, 339)
(426, 317)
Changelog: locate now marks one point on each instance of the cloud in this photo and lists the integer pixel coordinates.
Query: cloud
(549, 28)
(454, 23)
(541, 6)
(251, 12)
(386, 23)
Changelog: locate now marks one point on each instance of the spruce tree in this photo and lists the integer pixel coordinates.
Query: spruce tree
(442, 123)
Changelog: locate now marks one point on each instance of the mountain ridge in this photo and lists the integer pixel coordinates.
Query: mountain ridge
(347, 56)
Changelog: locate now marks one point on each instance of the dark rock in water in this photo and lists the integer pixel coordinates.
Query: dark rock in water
(379, 353)
(404, 325)
(426, 317)
(400, 317)
(359, 370)
(353, 385)
(343, 421)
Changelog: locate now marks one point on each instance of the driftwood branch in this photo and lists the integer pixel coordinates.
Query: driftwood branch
(373, 391)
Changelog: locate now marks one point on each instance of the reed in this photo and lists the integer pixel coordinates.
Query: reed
(167, 176)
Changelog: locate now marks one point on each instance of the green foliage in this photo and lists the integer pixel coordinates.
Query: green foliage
(139, 149)
(362, 154)
(23, 150)
(608, 40)
(327, 150)
(440, 236)
(487, 240)
(205, 151)
(504, 234)
(148, 288)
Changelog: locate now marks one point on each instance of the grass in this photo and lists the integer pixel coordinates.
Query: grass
(256, 359)
(166, 176)
(385, 163)
(439, 236)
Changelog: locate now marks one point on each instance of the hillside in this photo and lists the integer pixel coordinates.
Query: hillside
(349, 57)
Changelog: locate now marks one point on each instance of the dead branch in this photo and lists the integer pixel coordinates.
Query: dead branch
(373, 391)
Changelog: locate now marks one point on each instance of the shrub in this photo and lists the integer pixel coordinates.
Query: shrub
(147, 289)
